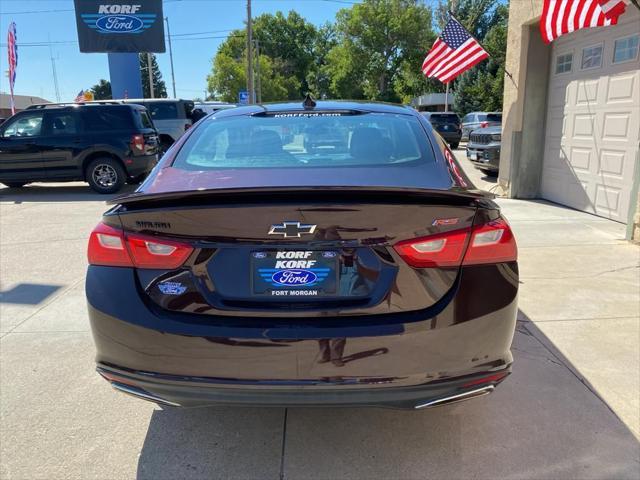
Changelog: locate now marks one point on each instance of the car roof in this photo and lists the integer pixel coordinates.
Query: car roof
(94, 104)
(321, 105)
(151, 100)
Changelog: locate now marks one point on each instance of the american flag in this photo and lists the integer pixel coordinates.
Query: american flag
(79, 97)
(560, 17)
(454, 52)
(613, 8)
(12, 55)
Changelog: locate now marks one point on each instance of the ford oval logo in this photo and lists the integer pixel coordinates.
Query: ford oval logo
(119, 24)
(293, 278)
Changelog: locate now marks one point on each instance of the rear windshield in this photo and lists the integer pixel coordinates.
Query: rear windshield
(102, 118)
(490, 117)
(441, 117)
(291, 140)
(145, 121)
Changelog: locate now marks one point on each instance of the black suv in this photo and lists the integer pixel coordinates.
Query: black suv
(104, 145)
(447, 124)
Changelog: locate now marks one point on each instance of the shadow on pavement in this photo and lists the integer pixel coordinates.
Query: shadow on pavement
(42, 192)
(543, 422)
(28, 293)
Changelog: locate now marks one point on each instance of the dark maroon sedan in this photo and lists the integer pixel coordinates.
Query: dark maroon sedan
(249, 269)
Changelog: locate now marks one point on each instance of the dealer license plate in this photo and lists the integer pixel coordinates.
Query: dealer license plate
(294, 273)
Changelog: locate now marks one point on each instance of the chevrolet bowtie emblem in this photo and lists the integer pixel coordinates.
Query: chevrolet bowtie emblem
(291, 229)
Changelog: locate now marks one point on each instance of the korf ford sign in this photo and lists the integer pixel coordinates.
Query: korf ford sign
(136, 26)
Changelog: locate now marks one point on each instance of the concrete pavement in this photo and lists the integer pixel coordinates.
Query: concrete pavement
(568, 410)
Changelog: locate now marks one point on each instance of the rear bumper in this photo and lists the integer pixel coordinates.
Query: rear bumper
(400, 360)
(451, 137)
(180, 392)
(486, 157)
(137, 166)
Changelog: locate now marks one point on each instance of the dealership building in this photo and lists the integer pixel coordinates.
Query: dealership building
(571, 116)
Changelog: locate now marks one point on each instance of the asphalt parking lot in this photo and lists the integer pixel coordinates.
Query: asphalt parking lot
(570, 409)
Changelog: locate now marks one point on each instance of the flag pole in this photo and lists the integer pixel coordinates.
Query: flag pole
(446, 98)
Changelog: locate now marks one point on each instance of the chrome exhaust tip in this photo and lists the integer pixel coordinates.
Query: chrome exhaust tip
(139, 393)
(460, 397)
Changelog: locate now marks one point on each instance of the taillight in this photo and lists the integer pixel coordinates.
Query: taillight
(137, 143)
(107, 247)
(442, 250)
(113, 247)
(492, 242)
(151, 253)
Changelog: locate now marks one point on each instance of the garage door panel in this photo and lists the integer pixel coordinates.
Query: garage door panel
(580, 159)
(593, 125)
(616, 126)
(584, 126)
(608, 199)
(623, 89)
(612, 163)
(587, 92)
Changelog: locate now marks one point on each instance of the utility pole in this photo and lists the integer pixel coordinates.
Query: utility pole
(258, 85)
(149, 66)
(173, 77)
(250, 86)
(55, 73)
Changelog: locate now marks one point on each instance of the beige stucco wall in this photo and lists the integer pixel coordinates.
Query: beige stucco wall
(521, 14)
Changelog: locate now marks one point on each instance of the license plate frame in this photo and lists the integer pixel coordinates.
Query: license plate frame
(473, 155)
(293, 274)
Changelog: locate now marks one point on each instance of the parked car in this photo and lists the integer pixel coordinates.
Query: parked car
(104, 145)
(447, 124)
(475, 120)
(212, 107)
(171, 117)
(483, 149)
(250, 273)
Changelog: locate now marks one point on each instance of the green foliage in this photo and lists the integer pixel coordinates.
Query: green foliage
(102, 90)
(373, 51)
(159, 87)
(289, 49)
(380, 47)
(481, 88)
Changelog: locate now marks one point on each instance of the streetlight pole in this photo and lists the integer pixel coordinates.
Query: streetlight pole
(250, 86)
(173, 77)
(258, 85)
(149, 66)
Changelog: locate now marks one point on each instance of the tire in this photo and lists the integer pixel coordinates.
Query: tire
(489, 173)
(454, 145)
(15, 184)
(105, 175)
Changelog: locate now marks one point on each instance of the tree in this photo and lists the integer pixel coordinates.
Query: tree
(318, 78)
(159, 87)
(102, 90)
(287, 47)
(380, 46)
(481, 88)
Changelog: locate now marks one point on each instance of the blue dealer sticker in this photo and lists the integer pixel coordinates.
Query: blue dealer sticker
(172, 288)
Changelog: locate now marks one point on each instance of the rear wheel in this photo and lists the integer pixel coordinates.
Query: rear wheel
(105, 175)
(15, 184)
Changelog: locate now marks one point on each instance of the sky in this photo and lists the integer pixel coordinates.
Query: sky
(44, 21)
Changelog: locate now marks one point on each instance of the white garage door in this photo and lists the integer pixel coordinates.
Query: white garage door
(593, 119)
